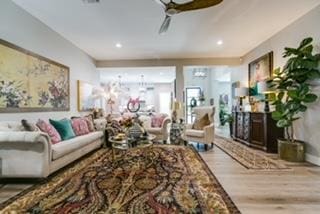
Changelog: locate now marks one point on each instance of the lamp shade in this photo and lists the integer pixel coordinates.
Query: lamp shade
(241, 92)
(263, 88)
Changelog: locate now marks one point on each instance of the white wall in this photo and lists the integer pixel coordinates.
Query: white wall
(22, 29)
(216, 83)
(308, 127)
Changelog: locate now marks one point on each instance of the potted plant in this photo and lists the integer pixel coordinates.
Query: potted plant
(294, 93)
(228, 118)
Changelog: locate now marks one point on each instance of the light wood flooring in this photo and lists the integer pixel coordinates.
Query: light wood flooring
(296, 191)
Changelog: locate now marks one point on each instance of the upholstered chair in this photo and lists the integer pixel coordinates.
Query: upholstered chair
(161, 133)
(205, 136)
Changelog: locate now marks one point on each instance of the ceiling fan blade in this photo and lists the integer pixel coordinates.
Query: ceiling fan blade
(162, 3)
(196, 4)
(165, 25)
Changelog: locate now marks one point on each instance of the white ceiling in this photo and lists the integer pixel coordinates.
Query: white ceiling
(133, 74)
(96, 28)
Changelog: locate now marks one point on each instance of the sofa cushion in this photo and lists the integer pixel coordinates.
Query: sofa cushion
(201, 123)
(90, 123)
(68, 146)
(157, 120)
(64, 128)
(11, 126)
(29, 127)
(194, 133)
(80, 126)
(154, 130)
(50, 130)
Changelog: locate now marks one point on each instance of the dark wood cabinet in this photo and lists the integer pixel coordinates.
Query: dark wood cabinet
(257, 130)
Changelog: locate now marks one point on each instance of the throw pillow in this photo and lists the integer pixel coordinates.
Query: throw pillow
(64, 128)
(29, 126)
(80, 126)
(90, 124)
(50, 130)
(157, 120)
(201, 123)
(116, 125)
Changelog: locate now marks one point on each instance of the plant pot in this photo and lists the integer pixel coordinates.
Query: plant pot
(293, 152)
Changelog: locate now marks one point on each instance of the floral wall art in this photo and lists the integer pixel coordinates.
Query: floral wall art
(31, 83)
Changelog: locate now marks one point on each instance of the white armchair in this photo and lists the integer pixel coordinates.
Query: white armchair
(205, 136)
(161, 133)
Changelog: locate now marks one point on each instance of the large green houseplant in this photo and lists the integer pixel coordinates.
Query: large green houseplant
(294, 93)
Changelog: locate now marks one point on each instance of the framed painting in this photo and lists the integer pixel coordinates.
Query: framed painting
(87, 96)
(30, 82)
(259, 70)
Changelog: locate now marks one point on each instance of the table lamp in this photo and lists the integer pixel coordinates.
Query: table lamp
(241, 93)
(263, 88)
(176, 106)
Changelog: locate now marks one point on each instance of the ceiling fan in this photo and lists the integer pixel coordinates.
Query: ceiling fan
(171, 8)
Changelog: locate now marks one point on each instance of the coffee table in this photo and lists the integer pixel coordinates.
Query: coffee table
(127, 144)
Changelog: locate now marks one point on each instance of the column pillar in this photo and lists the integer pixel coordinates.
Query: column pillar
(179, 83)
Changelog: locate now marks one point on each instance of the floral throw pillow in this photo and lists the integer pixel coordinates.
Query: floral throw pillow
(157, 120)
(90, 124)
(80, 126)
(50, 130)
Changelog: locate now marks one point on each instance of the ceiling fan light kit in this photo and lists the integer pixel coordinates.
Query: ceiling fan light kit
(171, 8)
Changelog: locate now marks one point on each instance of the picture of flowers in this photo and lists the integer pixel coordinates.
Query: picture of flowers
(259, 70)
(31, 83)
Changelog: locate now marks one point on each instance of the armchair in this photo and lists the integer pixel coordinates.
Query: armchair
(161, 133)
(205, 136)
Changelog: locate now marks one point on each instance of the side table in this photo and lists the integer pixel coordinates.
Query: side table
(176, 131)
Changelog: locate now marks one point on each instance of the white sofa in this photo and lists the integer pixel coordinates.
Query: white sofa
(31, 154)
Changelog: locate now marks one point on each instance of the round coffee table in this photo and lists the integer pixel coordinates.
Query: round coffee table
(127, 144)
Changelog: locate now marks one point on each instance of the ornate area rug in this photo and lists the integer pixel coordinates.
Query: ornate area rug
(163, 179)
(249, 158)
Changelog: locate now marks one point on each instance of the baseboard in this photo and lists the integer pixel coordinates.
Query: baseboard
(313, 159)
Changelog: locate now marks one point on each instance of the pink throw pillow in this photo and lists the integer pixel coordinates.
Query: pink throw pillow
(50, 130)
(157, 120)
(90, 123)
(79, 126)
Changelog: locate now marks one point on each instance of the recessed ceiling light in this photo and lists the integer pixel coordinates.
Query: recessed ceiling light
(119, 45)
(219, 42)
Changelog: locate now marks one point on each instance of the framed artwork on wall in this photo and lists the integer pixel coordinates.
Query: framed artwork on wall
(30, 82)
(87, 95)
(259, 70)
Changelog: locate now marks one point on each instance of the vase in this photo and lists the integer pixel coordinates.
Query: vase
(135, 131)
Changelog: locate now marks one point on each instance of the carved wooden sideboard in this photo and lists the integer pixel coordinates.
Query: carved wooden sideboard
(256, 129)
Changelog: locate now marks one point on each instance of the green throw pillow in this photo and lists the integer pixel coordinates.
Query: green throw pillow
(64, 128)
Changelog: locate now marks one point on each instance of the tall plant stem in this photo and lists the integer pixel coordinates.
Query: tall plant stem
(287, 133)
(292, 134)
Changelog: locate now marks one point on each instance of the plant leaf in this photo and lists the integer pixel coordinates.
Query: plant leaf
(310, 98)
(305, 42)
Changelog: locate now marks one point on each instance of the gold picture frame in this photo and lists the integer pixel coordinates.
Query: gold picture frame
(30, 82)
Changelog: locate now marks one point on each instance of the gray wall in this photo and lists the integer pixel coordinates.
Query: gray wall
(20, 28)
